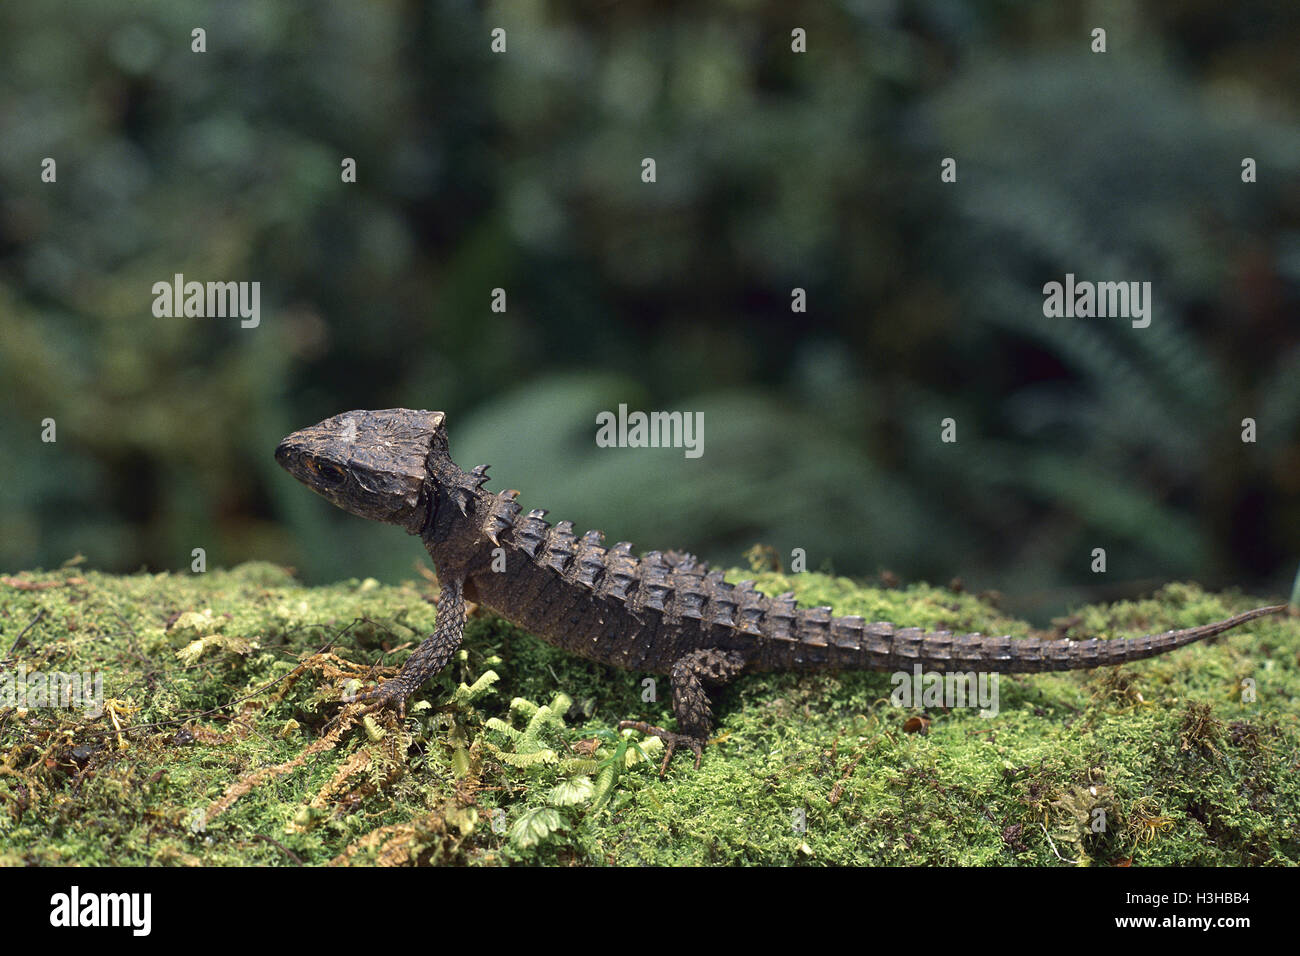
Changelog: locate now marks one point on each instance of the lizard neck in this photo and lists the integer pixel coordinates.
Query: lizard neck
(453, 534)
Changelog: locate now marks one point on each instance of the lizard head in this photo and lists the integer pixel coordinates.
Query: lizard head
(371, 463)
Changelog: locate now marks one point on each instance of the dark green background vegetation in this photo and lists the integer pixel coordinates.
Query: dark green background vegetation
(775, 170)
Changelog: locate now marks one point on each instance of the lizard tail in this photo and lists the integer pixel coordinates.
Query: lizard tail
(811, 639)
(943, 651)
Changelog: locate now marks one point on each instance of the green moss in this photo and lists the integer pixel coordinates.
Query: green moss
(181, 769)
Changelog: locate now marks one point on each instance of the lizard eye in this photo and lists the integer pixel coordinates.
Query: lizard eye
(331, 474)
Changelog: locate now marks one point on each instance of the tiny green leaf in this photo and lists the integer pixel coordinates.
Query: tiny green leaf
(534, 826)
(568, 793)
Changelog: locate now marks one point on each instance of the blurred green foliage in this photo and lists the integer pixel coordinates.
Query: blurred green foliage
(775, 170)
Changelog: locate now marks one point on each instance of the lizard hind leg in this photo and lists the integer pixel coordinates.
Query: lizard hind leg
(429, 658)
(691, 701)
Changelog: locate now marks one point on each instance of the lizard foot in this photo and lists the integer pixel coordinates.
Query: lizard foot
(390, 695)
(670, 739)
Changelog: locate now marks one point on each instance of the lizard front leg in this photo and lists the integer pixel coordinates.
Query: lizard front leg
(429, 658)
(691, 701)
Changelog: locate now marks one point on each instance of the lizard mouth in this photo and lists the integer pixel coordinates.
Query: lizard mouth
(293, 456)
(289, 455)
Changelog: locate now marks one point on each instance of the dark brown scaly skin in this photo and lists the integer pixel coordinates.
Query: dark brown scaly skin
(663, 613)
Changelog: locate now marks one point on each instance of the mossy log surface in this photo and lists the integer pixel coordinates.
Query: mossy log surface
(214, 745)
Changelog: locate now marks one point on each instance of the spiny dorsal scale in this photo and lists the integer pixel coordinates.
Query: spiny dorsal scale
(780, 618)
(620, 572)
(722, 603)
(501, 515)
(751, 610)
(1088, 651)
(847, 632)
(466, 487)
(939, 645)
(813, 626)
(530, 532)
(589, 568)
(559, 546)
(618, 586)
(876, 637)
(907, 642)
(1058, 652)
(694, 574)
(655, 589)
(1029, 652)
(684, 561)
(690, 600)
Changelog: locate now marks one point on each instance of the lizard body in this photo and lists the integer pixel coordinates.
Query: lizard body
(662, 613)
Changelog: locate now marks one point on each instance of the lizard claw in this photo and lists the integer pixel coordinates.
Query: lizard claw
(671, 741)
